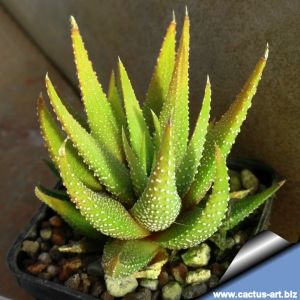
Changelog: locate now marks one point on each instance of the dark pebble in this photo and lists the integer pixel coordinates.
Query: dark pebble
(55, 254)
(213, 281)
(58, 237)
(56, 221)
(106, 296)
(217, 269)
(95, 268)
(45, 246)
(97, 289)
(155, 295)
(142, 294)
(195, 290)
(163, 278)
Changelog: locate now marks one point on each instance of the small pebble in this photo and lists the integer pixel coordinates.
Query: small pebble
(151, 284)
(85, 283)
(172, 291)
(155, 295)
(194, 290)
(163, 278)
(119, 287)
(197, 256)
(45, 246)
(58, 237)
(52, 270)
(55, 221)
(179, 272)
(106, 296)
(213, 281)
(95, 268)
(97, 289)
(46, 233)
(55, 254)
(36, 268)
(249, 180)
(198, 276)
(45, 258)
(142, 294)
(30, 247)
(73, 282)
(217, 269)
(73, 264)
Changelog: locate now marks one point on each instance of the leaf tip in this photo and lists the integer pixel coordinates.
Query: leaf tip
(73, 22)
(186, 12)
(266, 54)
(207, 80)
(173, 17)
(281, 183)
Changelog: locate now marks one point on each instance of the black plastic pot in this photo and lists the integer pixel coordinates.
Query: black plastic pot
(47, 290)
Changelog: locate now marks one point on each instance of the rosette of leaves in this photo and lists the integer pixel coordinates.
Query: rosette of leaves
(136, 175)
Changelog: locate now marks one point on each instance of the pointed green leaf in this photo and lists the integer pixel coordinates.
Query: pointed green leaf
(59, 194)
(177, 98)
(103, 212)
(244, 207)
(200, 223)
(161, 78)
(123, 258)
(69, 213)
(191, 160)
(136, 122)
(54, 139)
(224, 133)
(138, 174)
(101, 120)
(116, 102)
(160, 204)
(111, 173)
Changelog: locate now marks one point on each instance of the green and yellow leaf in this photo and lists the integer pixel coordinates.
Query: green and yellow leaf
(244, 207)
(136, 123)
(116, 102)
(187, 170)
(161, 78)
(160, 204)
(123, 258)
(103, 212)
(137, 172)
(176, 102)
(69, 213)
(195, 226)
(224, 133)
(100, 116)
(54, 139)
(110, 172)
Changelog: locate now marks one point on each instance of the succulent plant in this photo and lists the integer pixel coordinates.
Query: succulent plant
(135, 176)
